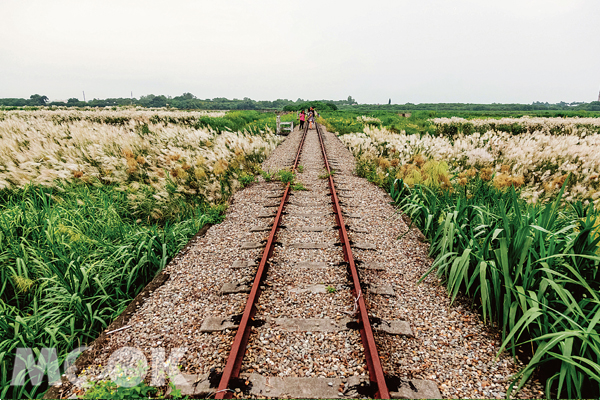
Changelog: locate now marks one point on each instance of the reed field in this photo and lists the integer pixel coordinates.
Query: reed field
(510, 207)
(94, 203)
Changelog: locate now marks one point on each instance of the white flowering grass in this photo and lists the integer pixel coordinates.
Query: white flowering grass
(93, 204)
(526, 124)
(530, 269)
(366, 119)
(543, 159)
(156, 151)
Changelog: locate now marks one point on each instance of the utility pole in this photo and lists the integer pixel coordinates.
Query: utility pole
(84, 96)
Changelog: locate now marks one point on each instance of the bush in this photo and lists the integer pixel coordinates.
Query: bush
(318, 105)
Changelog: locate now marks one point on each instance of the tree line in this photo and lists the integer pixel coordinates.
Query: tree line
(473, 107)
(188, 101)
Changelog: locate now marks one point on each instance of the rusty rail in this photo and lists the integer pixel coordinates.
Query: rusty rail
(376, 374)
(238, 348)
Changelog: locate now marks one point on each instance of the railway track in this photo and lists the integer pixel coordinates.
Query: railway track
(235, 360)
(306, 305)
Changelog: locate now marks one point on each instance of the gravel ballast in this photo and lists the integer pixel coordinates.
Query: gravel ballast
(303, 293)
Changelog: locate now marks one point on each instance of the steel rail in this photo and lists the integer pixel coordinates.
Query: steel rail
(240, 342)
(374, 367)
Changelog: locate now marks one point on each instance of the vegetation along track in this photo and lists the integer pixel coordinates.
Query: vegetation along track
(306, 302)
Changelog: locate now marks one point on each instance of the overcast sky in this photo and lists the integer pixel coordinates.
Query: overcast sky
(479, 51)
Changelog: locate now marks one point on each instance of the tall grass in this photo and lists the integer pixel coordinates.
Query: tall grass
(71, 259)
(531, 270)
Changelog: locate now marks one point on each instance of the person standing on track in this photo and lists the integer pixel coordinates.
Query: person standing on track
(311, 117)
(302, 118)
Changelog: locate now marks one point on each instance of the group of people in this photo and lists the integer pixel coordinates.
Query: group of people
(310, 117)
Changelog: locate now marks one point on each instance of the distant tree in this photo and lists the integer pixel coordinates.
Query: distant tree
(246, 104)
(390, 101)
(594, 106)
(318, 105)
(151, 100)
(14, 102)
(37, 100)
(158, 101)
(351, 100)
(144, 101)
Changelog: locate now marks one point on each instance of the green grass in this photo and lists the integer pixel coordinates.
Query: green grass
(326, 174)
(531, 271)
(296, 185)
(344, 122)
(267, 176)
(286, 176)
(234, 121)
(71, 259)
(107, 389)
(73, 256)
